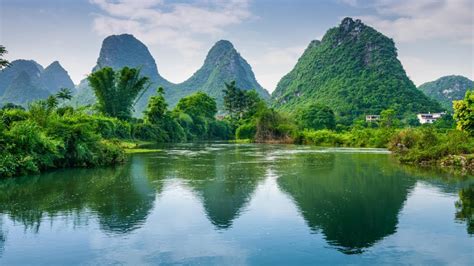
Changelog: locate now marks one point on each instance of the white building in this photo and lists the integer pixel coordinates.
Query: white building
(429, 118)
(372, 118)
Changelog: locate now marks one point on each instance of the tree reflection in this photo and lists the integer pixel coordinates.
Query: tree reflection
(465, 208)
(121, 197)
(354, 204)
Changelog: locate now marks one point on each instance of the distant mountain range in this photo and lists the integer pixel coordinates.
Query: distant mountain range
(223, 64)
(447, 89)
(354, 69)
(25, 81)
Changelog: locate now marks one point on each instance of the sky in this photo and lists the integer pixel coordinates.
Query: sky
(434, 37)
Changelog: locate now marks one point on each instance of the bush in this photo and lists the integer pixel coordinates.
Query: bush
(426, 145)
(246, 131)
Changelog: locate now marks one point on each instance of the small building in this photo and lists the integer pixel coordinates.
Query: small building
(429, 118)
(372, 118)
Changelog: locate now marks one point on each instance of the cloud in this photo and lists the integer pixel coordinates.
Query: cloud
(272, 63)
(411, 21)
(177, 25)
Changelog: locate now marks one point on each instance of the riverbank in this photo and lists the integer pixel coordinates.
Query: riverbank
(452, 149)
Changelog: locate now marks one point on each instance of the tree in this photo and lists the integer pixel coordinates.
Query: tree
(464, 113)
(198, 104)
(388, 118)
(52, 102)
(195, 113)
(240, 103)
(64, 94)
(156, 110)
(316, 116)
(3, 63)
(117, 92)
(12, 106)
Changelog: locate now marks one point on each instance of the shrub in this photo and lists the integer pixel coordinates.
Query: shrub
(246, 131)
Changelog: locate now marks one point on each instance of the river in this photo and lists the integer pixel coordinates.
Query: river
(244, 204)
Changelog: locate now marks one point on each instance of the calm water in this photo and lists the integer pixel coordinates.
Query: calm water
(239, 204)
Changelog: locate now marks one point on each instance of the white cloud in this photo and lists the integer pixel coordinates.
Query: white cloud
(271, 64)
(177, 25)
(410, 21)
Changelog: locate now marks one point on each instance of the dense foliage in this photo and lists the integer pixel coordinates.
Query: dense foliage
(116, 92)
(464, 113)
(316, 116)
(45, 137)
(447, 89)
(355, 71)
(428, 146)
(196, 114)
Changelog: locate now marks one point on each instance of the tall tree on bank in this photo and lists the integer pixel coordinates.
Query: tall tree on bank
(157, 106)
(240, 103)
(3, 63)
(117, 91)
(464, 113)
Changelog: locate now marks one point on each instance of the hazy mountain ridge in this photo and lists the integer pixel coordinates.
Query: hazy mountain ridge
(447, 89)
(355, 70)
(26, 80)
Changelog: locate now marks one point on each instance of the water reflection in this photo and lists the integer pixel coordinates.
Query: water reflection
(354, 204)
(119, 197)
(465, 208)
(353, 200)
(224, 177)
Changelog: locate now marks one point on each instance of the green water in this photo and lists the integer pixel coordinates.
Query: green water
(239, 204)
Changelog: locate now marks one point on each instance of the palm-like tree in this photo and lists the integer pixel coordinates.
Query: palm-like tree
(64, 94)
(3, 63)
(116, 92)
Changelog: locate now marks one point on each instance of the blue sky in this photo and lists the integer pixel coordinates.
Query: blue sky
(433, 37)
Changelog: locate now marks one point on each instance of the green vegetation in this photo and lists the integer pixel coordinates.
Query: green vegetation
(45, 137)
(464, 113)
(117, 91)
(316, 116)
(252, 119)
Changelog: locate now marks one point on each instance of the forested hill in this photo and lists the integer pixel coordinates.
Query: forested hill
(447, 89)
(222, 64)
(354, 69)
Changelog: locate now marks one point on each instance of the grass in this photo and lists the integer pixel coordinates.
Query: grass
(133, 147)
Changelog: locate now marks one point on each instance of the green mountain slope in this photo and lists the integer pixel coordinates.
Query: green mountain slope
(447, 89)
(222, 64)
(354, 69)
